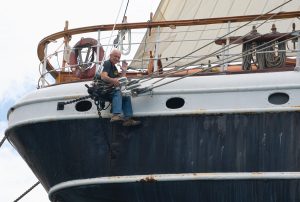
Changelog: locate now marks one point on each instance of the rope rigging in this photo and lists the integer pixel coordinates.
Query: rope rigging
(150, 88)
(173, 71)
(27, 191)
(118, 42)
(2, 141)
(99, 69)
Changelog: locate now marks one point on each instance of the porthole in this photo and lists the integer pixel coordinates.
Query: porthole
(83, 106)
(278, 98)
(175, 103)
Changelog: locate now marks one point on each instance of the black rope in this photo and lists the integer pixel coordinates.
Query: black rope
(266, 59)
(2, 141)
(125, 10)
(27, 191)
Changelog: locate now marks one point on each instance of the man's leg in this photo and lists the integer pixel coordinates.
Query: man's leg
(117, 102)
(127, 107)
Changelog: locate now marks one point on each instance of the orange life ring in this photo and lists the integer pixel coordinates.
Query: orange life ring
(83, 65)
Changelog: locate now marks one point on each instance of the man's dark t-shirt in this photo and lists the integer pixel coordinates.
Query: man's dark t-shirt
(111, 69)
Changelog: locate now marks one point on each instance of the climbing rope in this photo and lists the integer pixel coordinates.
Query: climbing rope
(27, 191)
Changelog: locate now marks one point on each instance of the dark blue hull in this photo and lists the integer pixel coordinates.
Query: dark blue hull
(60, 151)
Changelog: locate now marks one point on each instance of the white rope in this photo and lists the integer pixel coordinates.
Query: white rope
(112, 31)
(98, 71)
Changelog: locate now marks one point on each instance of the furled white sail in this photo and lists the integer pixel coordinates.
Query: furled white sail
(181, 41)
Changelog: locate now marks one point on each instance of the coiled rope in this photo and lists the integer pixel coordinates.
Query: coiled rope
(275, 61)
(264, 52)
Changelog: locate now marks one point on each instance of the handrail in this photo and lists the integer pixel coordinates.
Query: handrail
(140, 25)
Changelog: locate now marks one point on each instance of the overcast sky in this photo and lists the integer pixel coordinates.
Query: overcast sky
(22, 25)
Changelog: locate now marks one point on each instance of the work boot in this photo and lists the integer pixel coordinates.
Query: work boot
(116, 118)
(131, 122)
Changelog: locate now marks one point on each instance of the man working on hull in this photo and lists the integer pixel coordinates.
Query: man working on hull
(120, 104)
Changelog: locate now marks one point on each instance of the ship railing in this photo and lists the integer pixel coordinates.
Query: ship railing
(59, 71)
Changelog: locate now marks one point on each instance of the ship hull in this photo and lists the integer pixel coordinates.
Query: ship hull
(61, 151)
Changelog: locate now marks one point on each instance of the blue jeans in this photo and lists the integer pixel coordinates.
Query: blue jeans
(121, 104)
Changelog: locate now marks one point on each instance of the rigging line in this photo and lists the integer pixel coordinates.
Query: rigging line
(186, 33)
(270, 42)
(99, 70)
(145, 46)
(245, 11)
(265, 6)
(2, 141)
(126, 9)
(212, 54)
(172, 71)
(148, 77)
(200, 70)
(113, 29)
(213, 67)
(27, 191)
(122, 22)
(219, 50)
(228, 23)
(211, 14)
(233, 31)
